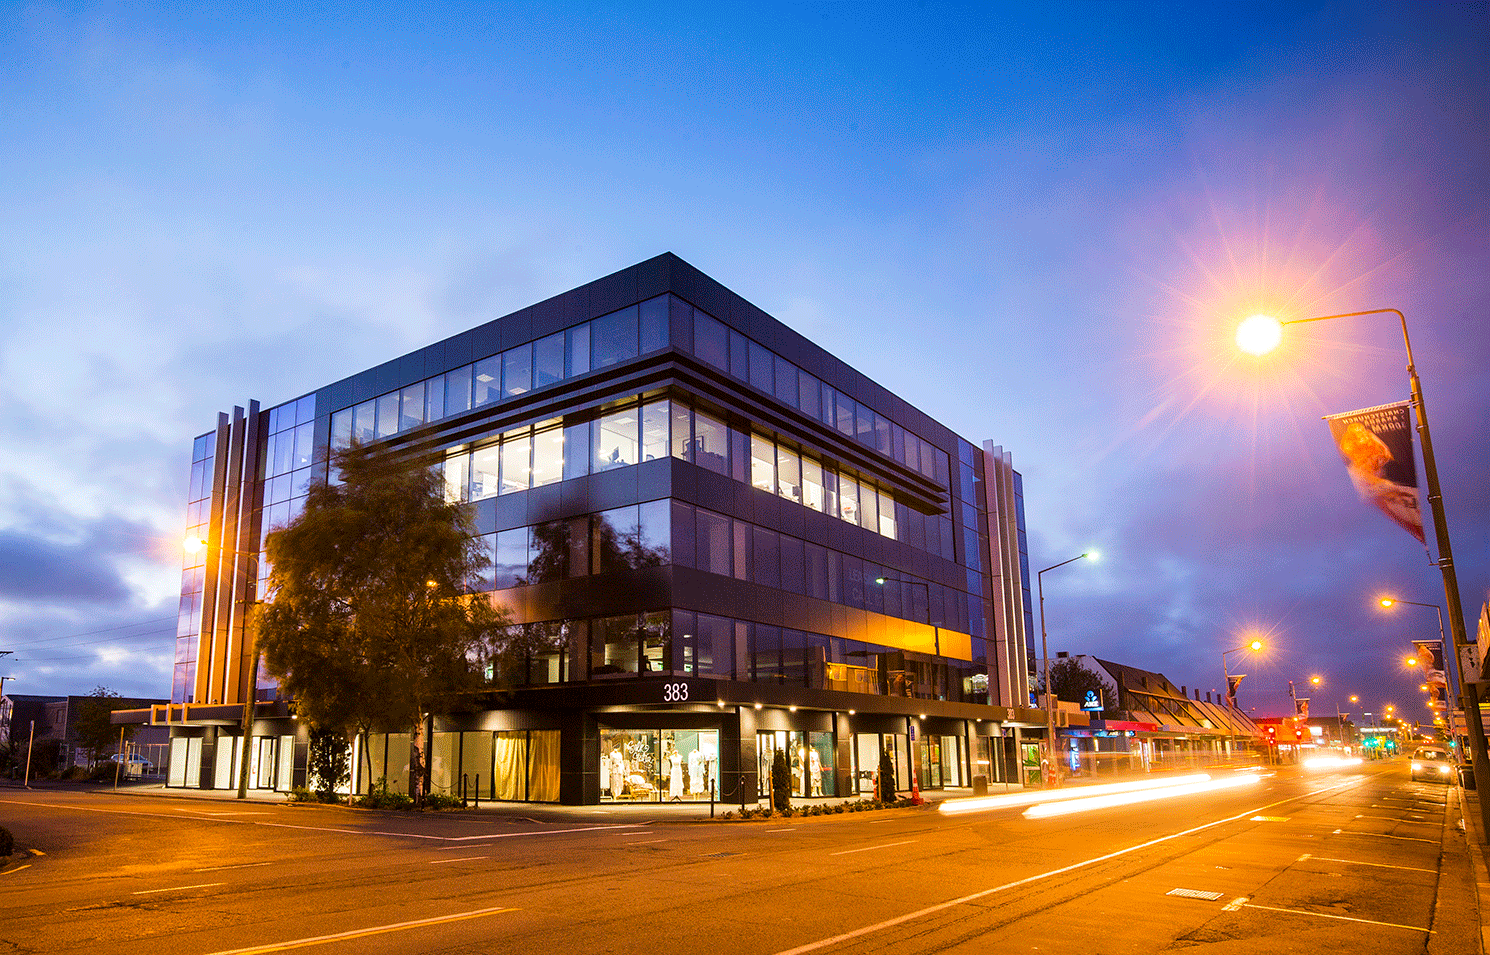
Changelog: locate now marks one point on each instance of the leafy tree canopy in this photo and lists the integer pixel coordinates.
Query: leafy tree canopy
(96, 735)
(1071, 681)
(367, 623)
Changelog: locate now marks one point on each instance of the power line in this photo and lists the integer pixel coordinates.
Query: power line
(89, 633)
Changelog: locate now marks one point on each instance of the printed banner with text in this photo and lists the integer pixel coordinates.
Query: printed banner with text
(1376, 444)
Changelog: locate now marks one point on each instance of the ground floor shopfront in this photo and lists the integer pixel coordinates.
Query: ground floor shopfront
(664, 740)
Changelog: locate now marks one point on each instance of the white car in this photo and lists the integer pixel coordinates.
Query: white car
(134, 763)
(1433, 764)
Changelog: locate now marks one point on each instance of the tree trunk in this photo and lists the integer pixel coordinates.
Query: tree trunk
(416, 762)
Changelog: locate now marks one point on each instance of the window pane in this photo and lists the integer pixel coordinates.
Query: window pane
(762, 464)
(657, 642)
(614, 535)
(305, 441)
(517, 449)
(793, 574)
(767, 569)
(766, 654)
(488, 381)
(881, 434)
(655, 416)
(577, 343)
(511, 567)
(712, 542)
(827, 413)
(682, 518)
(809, 394)
(548, 456)
(517, 370)
(844, 410)
(912, 452)
(743, 561)
(864, 426)
(616, 440)
(576, 450)
(710, 443)
(548, 360)
(848, 499)
(716, 651)
(830, 492)
(458, 390)
(457, 478)
(812, 484)
(786, 381)
(654, 534)
(388, 414)
(869, 508)
(362, 422)
(793, 656)
(788, 474)
(739, 356)
(614, 337)
(710, 340)
(484, 472)
(341, 437)
(682, 436)
(887, 517)
(411, 412)
(762, 365)
(618, 637)
(434, 398)
(815, 571)
(654, 324)
(487, 546)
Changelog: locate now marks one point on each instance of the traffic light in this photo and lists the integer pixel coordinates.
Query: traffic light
(1272, 734)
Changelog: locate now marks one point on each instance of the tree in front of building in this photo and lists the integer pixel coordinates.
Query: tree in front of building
(369, 623)
(781, 781)
(96, 734)
(1072, 681)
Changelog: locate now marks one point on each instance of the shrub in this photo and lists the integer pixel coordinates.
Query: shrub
(381, 797)
(329, 763)
(887, 778)
(438, 801)
(781, 780)
(7, 842)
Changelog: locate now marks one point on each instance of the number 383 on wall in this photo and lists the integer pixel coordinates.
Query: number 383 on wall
(674, 692)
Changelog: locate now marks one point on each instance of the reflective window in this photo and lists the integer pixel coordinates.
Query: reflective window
(457, 478)
(710, 443)
(484, 472)
(653, 534)
(743, 561)
(458, 390)
(815, 570)
(848, 499)
(739, 355)
(716, 646)
(517, 371)
(548, 456)
(767, 558)
(434, 398)
(614, 539)
(341, 437)
(486, 546)
(844, 414)
(616, 440)
(712, 544)
(710, 340)
(762, 364)
(657, 642)
(305, 445)
(548, 360)
(411, 407)
(786, 381)
(762, 463)
(765, 656)
(887, 517)
(487, 382)
(809, 394)
(793, 571)
(577, 350)
(614, 337)
(616, 640)
(654, 324)
(655, 416)
(516, 462)
(388, 415)
(577, 450)
(510, 567)
(869, 508)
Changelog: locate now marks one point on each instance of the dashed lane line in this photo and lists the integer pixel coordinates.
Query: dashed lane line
(179, 888)
(363, 932)
(886, 845)
(1376, 865)
(220, 868)
(1325, 915)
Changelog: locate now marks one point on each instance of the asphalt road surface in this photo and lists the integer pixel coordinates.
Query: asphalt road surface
(1363, 861)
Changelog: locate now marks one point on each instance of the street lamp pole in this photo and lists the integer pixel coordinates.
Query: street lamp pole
(1052, 769)
(1468, 694)
(1451, 667)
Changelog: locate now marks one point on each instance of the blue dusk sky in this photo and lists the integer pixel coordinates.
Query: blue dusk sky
(1039, 223)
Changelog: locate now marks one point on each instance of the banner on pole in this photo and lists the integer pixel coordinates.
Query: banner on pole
(1232, 682)
(1301, 708)
(1376, 444)
(1430, 658)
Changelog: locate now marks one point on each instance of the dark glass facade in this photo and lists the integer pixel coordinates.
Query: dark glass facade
(709, 532)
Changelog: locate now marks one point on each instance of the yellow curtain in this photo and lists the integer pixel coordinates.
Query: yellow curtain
(543, 766)
(508, 775)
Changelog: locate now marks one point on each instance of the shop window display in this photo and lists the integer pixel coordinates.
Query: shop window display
(658, 765)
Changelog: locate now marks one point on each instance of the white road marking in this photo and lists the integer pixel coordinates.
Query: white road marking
(16, 869)
(1342, 918)
(647, 843)
(245, 865)
(1405, 822)
(461, 859)
(792, 829)
(1382, 835)
(1378, 865)
(1235, 904)
(871, 848)
(361, 933)
(179, 888)
(963, 900)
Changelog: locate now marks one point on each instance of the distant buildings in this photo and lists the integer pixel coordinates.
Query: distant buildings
(47, 725)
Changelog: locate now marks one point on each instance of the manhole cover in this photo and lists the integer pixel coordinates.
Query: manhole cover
(1194, 894)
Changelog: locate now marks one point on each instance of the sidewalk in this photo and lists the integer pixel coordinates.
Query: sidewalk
(1479, 859)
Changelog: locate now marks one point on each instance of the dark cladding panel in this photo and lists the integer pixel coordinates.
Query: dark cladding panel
(364, 386)
(651, 277)
(613, 292)
(613, 488)
(654, 479)
(459, 350)
(335, 397)
(485, 340)
(547, 317)
(385, 377)
(515, 329)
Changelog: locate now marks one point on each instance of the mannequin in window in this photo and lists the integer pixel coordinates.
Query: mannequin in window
(696, 784)
(674, 773)
(815, 771)
(617, 773)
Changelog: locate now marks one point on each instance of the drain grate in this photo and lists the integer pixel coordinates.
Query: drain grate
(1194, 894)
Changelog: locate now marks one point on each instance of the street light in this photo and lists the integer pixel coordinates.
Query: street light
(1259, 335)
(1051, 762)
(194, 546)
(1254, 646)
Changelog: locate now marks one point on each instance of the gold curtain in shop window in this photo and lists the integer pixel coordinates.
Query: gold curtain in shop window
(543, 766)
(508, 773)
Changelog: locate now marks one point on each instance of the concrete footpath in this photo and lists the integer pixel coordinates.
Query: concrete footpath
(1478, 851)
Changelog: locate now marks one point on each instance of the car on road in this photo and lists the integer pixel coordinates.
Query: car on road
(1432, 763)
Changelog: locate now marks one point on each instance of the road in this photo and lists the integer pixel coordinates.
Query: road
(1298, 862)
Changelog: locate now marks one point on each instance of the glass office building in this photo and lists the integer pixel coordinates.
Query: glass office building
(718, 540)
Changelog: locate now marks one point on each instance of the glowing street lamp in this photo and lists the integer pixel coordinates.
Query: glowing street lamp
(1050, 754)
(1260, 334)
(1255, 646)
